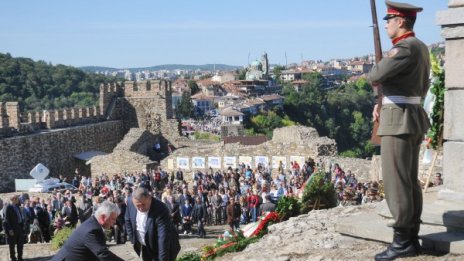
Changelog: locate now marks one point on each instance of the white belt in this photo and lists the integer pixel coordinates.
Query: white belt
(401, 100)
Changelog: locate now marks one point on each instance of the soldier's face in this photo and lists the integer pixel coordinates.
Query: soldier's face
(392, 26)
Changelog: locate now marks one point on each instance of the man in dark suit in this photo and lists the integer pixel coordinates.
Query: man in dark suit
(14, 228)
(404, 76)
(149, 226)
(87, 242)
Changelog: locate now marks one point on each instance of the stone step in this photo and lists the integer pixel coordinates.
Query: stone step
(372, 226)
(442, 213)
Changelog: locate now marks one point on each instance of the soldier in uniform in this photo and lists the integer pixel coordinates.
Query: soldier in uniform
(404, 77)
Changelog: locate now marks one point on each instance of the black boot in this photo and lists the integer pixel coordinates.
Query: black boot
(415, 238)
(402, 246)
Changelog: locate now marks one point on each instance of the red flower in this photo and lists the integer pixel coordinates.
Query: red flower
(272, 216)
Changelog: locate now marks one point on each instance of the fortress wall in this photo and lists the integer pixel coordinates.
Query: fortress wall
(309, 146)
(158, 89)
(54, 149)
(107, 93)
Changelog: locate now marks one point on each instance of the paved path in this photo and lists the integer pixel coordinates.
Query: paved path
(189, 243)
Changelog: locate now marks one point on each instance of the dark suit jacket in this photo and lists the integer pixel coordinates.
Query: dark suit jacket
(87, 243)
(161, 238)
(11, 222)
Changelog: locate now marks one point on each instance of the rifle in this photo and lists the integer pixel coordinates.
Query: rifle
(375, 140)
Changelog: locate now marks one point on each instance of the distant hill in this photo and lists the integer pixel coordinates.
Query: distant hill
(93, 69)
(204, 67)
(38, 85)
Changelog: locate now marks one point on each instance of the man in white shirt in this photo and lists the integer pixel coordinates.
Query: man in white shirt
(149, 227)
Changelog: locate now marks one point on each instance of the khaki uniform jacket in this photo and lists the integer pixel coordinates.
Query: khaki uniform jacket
(404, 72)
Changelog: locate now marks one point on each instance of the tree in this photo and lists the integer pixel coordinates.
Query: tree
(277, 71)
(193, 86)
(266, 123)
(342, 114)
(185, 106)
(39, 85)
(242, 74)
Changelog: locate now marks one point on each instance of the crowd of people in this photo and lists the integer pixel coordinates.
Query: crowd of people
(233, 196)
(212, 125)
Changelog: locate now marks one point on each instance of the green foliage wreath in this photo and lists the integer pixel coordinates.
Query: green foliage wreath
(438, 89)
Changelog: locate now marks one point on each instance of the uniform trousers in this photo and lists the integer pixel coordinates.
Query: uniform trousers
(400, 162)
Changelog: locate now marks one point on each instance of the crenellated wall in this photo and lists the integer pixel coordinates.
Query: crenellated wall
(143, 105)
(146, 110)
(54, 149)
(56, 119)
(4, 122)
(159, 89)
(12, 110)
(108, 92)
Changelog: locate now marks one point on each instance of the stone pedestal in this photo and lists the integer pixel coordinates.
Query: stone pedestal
(452, 22)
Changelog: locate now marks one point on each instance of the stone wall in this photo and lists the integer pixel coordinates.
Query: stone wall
(452, 22)
(149, 113)
(310, 146)
(146, 110)
(12, 110)
(4, 122)
(160, 89)
(171, 129)
(27, 122)
(9, 118)
(133, 154)
(121, 161)
(232, 130)
(63, 118)
(144, 113)
(287, 142)
(31, 121)
(54, 149)
(108, 92)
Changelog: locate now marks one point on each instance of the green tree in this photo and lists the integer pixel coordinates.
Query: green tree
(277, 71)
(266, 123)
(193, 86)
(185, 106)
(39, 85)
(242, 74)
(342, 113)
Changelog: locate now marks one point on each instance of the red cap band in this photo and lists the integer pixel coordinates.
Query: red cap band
(392, 11)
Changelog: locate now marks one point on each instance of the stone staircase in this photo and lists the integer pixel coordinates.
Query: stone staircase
(134, 138)
(131, 154)
(442, 230)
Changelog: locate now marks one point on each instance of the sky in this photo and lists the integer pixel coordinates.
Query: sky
(140, 33)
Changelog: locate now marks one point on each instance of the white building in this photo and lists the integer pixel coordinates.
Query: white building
(231, 116)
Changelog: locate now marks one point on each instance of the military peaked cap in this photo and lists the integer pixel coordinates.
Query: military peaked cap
(395, 9)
